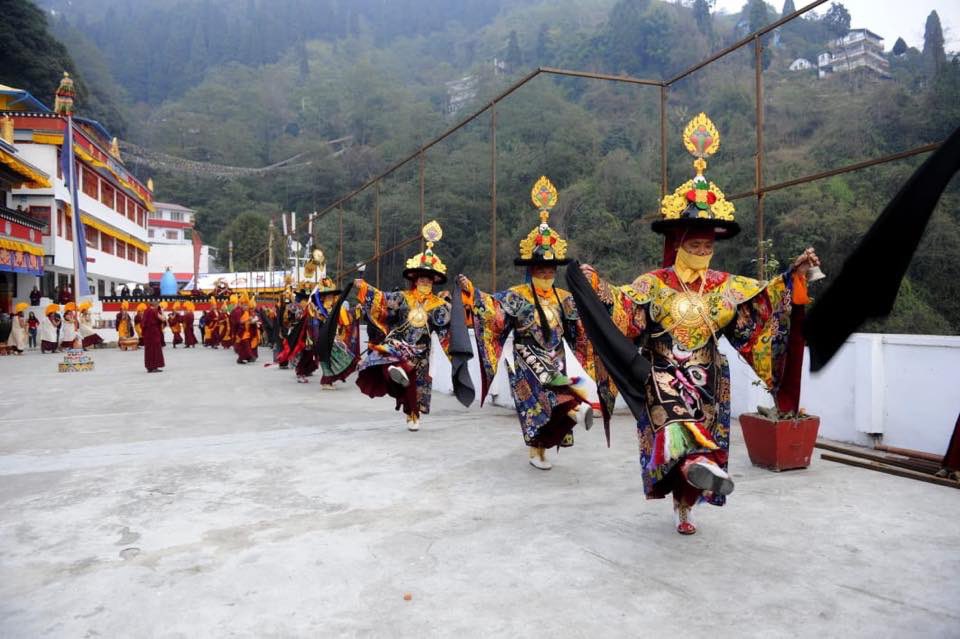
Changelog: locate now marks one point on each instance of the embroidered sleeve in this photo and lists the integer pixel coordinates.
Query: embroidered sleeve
(628, 307)
(761, 327)
(576, 336)
(492, 325)
(377, 305)
(440, 324)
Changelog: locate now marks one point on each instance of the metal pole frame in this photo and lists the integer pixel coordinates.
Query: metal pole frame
(340, 248)
(376, 231)
(422, 170)
(759, 191)
(493, 196)
(758, 159)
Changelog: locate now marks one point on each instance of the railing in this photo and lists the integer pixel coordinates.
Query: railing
(419, 156)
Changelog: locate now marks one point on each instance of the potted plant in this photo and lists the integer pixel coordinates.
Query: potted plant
(779, 440)
(782, 437)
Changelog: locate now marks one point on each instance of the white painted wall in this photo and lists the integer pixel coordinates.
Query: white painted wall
(105, 266)
(178, 257)
(900, 387)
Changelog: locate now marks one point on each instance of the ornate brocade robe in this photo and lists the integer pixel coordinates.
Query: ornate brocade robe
(543, 394)
(405, 319)
(688, 391)
(345, 352)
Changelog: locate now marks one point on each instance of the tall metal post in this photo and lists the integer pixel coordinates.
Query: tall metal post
(758, 165)
(230, 255)
(493, 196)
(340, 248)
(422, 203)
(295, 245)
(663, 141)
(270, 253)
(376, 230)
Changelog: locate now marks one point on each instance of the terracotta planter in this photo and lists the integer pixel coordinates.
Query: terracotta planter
(779, 444)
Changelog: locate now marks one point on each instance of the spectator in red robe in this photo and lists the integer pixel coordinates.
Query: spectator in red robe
(189, 337)
(152, 336)
(243, 327)
(226, 330)
(162, 313)
(175, 320)
(138, 322)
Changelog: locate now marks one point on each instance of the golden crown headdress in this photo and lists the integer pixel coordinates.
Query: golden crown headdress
(543, 245)
(698, 202)
(427, 262)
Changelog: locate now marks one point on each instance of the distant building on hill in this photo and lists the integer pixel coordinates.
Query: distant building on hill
(859, 49)
(801, 64)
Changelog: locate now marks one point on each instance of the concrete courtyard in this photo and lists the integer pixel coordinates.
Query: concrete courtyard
(216, 500)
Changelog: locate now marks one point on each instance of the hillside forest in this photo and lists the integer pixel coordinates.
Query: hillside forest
(337, 91)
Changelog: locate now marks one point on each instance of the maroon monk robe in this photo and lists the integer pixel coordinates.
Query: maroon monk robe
(189, 338)
(174, 320)
(152, 336)
(241, 335)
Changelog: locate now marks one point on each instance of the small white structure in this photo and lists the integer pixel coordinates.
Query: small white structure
(801, 64)
(460, 92)
(170, 233)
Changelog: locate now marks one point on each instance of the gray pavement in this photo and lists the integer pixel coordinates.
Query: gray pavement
(216, 500)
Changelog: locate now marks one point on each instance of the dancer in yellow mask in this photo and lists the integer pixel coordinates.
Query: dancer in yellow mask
(676, 315)
(541, 317)
(398, 361)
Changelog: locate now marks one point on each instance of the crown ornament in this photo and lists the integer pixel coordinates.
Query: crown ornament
(428, 262)
(543, 245)
(698, 199)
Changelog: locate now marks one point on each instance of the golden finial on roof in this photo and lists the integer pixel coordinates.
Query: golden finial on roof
(63, 102)
(6, 129)
(150, 184)
(115, 148)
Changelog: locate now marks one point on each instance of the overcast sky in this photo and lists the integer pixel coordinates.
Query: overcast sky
(888, 18)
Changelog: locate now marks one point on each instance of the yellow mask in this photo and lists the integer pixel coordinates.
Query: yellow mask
(543, 284)
(689, 266)
(425, 289)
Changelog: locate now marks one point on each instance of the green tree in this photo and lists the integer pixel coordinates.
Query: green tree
(788, 8)
(248, 232)
(933, 52)
(513, 57)
(759, 18)
(103, 99)
(837, 19)
(544, 46)
(701, 13)
(30, 57)
(303, 59)
(899, 47)
(638, 37)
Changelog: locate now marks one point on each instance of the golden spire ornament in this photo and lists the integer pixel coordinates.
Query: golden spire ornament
(543, 245)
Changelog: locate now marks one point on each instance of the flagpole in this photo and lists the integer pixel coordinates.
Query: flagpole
(63, 105)
(79, 269)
